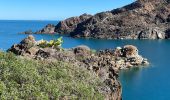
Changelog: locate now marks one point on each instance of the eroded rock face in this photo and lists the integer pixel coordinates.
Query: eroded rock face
(143, 19)
(155, 33)
(128, 22)
(70, 24)
(24, 46)
(49, 29)
(105, 63)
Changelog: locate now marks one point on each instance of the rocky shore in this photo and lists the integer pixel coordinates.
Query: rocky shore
(105, 63)
(143, 19)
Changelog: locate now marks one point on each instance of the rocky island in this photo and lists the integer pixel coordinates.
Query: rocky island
(143, 19)
(103, 64)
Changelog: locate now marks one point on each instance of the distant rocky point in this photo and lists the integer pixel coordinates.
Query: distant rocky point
(142, 19)
(48, 29)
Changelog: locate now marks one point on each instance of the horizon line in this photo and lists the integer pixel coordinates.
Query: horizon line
(28, 20)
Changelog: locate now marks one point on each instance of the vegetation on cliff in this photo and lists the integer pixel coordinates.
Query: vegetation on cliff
(22, 78)
(51, 72)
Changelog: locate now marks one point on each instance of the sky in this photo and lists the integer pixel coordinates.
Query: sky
(54, 9)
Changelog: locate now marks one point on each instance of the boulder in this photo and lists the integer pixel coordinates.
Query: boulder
(128, 57)
(23, 46)
(28, 42)
(82, 50)
(41, 54)
(129, 51)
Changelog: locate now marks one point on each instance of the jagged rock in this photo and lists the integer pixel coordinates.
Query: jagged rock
(126, 22)
(28, 32)
(49, 29)
(41, 54)
(32, 51)
(131, 57)
(152, 34)
(24, 46)
(129, 22)
(70, 24)
(29, 41)
(17, 49)
(142, 19)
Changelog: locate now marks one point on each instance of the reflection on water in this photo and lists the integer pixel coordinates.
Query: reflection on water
(130, 76)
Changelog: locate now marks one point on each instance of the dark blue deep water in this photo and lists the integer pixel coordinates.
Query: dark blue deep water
(150, 83)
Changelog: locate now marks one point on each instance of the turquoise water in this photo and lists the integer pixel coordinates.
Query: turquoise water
(150, 83)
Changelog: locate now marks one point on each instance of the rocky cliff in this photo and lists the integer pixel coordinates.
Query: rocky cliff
(106, 64)
(143, 19)
(70, 24)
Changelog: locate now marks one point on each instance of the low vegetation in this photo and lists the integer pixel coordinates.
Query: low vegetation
(52, 43)
(21, 78)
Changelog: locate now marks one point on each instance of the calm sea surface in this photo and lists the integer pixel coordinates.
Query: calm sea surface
(150, 83)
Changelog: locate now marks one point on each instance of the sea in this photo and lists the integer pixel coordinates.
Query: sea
(145, 83)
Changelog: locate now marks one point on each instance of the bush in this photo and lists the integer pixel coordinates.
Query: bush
(52, 43)
(21, 78)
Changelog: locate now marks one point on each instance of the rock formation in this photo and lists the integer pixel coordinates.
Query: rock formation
(70, 24)
(49, 29)
(28, 32)
(143, 19)
(105, 63)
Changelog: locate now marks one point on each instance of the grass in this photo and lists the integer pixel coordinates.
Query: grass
(21, 78)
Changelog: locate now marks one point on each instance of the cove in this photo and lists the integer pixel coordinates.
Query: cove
(147, 83)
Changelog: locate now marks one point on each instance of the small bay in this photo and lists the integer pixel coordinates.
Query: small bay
(138, 84)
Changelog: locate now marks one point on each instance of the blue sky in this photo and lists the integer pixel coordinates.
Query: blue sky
(54, 9)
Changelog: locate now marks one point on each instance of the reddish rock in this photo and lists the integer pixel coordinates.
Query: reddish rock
(70, 24)
(143, 19)
(49, 29)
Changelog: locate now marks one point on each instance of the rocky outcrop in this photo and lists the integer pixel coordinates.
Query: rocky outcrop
(49, 29)
(143, 19)
(146, 19)
(63, 27)
(154, 33)
(70, 24)
(24, 46)
(28, 32)
(105, 63)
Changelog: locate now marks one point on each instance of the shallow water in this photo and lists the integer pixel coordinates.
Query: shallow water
(150, 83)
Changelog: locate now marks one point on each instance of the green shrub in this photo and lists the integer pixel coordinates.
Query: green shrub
(21, 78)
(52, 43)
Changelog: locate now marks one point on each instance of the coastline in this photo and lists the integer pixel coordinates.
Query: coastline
(138, 20)
(103, 63)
